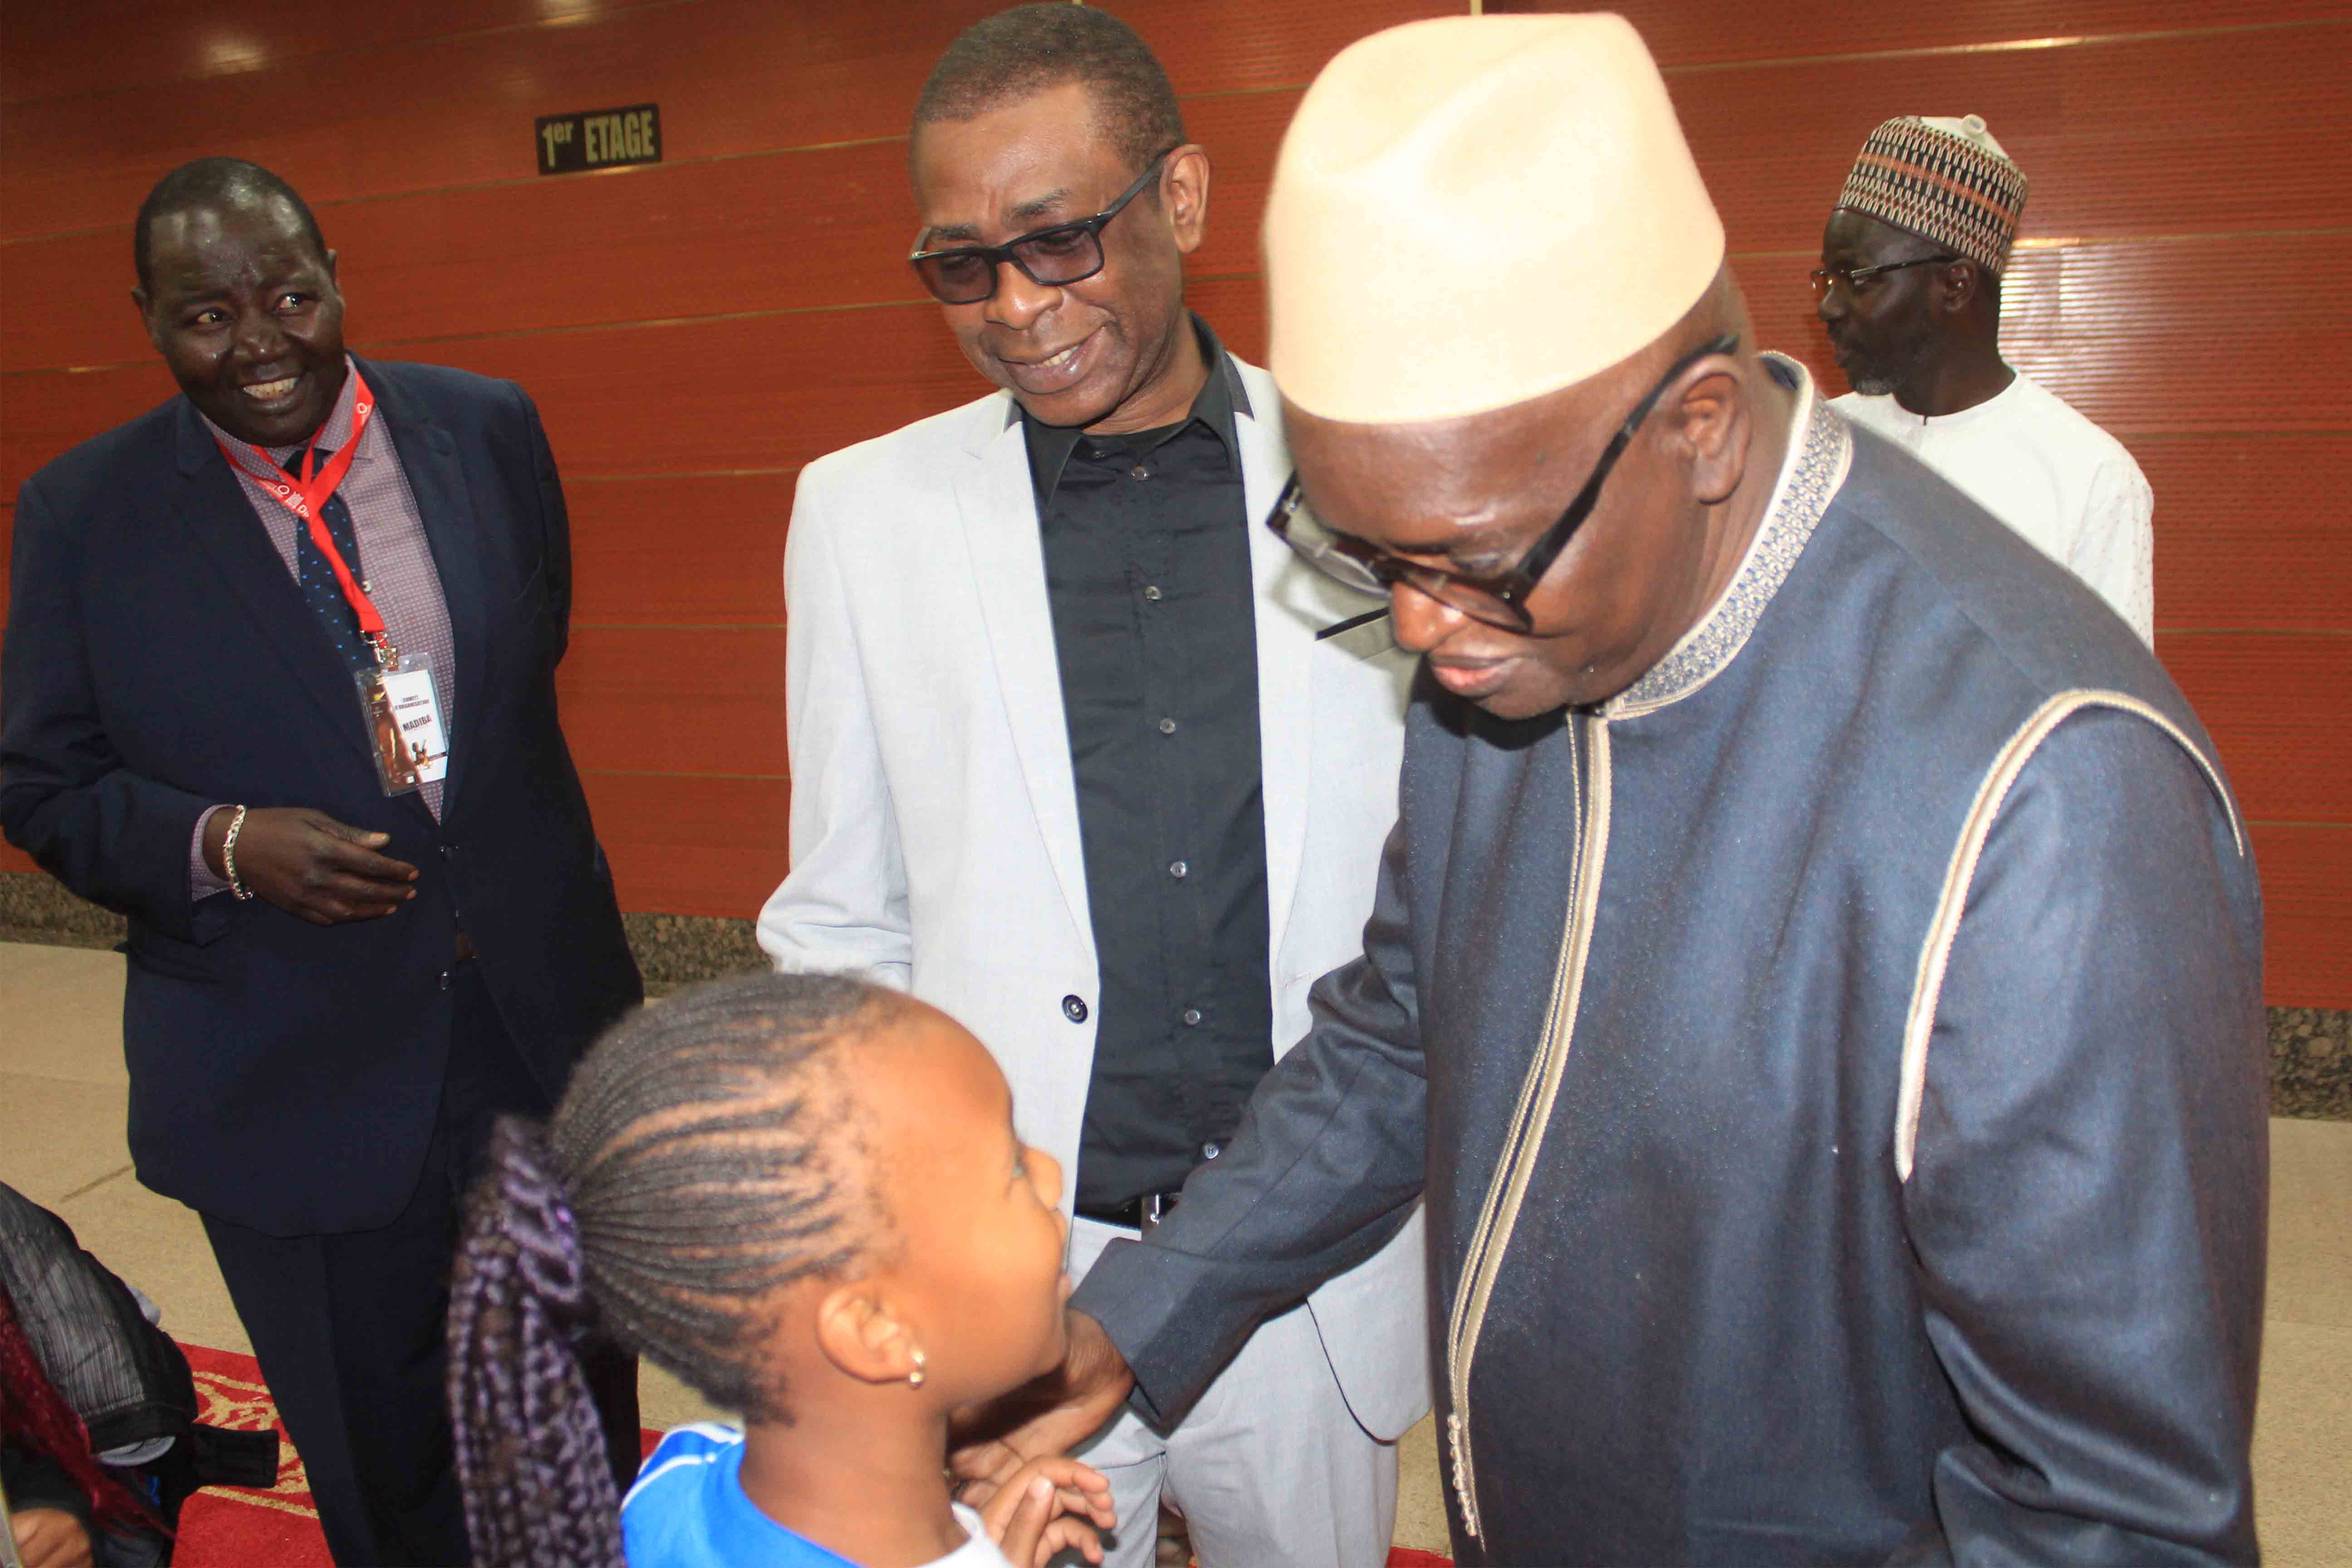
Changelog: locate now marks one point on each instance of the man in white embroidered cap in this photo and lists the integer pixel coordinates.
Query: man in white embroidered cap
(1816, 984)
(1909, 287)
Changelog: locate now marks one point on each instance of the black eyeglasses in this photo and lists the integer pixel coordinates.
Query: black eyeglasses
(1823, 278)
(1499, 598)
(1066, 253)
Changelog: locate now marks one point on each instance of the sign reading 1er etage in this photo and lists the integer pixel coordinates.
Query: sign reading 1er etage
(599, 139)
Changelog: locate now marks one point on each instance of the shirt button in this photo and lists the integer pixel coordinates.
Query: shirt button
(1192, 1018)
(1152, 593)
(1211, 1150)
(1168, 726)
(1139, 472)
(1073, 1008)
(1177, 869)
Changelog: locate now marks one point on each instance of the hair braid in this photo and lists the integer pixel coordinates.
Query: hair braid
(697, 1164)
(519, 1406)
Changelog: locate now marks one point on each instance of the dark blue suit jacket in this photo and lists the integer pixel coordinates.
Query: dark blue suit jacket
(160, 659)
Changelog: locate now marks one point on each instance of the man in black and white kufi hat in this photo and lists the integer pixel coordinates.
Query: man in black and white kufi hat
(1909, 287)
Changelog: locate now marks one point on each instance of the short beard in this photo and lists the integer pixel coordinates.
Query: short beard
(1880, 376)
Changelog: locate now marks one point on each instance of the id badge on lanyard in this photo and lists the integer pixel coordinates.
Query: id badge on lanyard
(403, 715)
(398, 705)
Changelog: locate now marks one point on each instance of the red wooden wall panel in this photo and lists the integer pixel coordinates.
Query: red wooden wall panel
(2251, 530)
(765, 392)
(733, 77)
(2264, 699)
(50, 49)
(2306, 870)
(2098, 129)
(691, 845)
(1685, 34)
(683, 699)
(698, 549)
(697, 330)
(818, 228)
(2130, 331)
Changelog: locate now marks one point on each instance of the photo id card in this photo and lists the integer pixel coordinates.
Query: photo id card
(403, 725)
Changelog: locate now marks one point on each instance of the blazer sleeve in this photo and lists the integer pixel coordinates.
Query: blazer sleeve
(1325, 1169)
(112, 836)
(555, 525)
(842, 908)
(2088, 1196)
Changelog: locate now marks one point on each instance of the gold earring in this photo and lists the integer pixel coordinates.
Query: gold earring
(915, 1378)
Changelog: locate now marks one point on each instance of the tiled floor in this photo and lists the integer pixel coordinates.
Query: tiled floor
(61, 1121)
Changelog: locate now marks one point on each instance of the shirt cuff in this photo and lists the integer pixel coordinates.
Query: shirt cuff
(202, 883)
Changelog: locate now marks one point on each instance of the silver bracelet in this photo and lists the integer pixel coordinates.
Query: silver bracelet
(228, 856)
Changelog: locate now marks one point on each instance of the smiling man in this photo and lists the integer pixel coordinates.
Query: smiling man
(1909, 287)
(1084, 757)
(232, 622)
(1814, 980)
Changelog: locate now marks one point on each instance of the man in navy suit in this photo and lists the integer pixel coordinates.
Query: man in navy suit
(341, 965)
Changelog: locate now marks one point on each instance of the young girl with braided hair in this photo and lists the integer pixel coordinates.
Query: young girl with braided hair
(804, 1196)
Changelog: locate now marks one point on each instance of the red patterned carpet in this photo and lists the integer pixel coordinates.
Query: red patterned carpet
(236, 1527)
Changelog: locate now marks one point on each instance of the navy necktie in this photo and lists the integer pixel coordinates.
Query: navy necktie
(318, 578)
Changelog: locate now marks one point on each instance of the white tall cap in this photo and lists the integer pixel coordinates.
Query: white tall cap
(1472, 211)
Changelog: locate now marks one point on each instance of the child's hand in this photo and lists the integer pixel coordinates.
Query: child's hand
(1037, 1512)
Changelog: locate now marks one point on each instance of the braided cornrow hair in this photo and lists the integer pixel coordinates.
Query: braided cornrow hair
(701, 1161)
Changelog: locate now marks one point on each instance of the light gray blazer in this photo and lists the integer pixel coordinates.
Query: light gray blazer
(935, 818)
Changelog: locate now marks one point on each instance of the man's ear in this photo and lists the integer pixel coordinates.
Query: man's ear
(1711, 414)
(860, 1335)
(146, 321)
(1184, 189)
(1959, 287)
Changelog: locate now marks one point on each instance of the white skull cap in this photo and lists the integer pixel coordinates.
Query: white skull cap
(1470, 212)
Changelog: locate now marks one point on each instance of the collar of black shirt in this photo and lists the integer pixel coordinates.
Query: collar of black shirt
(1221, 396)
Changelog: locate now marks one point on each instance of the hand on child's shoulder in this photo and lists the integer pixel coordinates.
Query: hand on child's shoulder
(1049, 1505)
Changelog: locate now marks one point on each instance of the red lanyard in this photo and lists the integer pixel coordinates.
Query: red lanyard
(306, 496)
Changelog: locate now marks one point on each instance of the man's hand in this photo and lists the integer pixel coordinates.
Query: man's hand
(52, 1538)
(1045, 1507)
(308, 864)
(1041, 1419)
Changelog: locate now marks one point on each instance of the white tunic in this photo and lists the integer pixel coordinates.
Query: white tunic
(2029, 459)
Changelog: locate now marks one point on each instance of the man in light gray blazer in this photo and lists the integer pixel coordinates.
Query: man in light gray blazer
(1082, 754)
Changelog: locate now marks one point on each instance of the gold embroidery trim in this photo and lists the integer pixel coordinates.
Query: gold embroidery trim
(1936, 953)
(1507, 1190)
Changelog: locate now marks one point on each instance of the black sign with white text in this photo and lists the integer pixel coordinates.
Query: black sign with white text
(599, 139)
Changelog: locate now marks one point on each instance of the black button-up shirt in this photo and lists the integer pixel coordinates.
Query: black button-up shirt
(1147, 572)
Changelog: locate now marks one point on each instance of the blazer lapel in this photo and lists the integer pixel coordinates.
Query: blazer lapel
(213, 507)
(1286, 645)
(1008, 557)
(428, 454)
